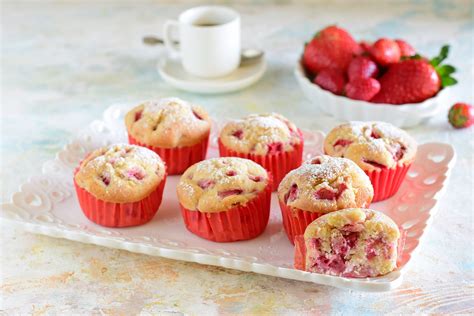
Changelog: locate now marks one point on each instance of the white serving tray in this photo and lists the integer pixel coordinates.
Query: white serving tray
(343, 108)
(47, 205)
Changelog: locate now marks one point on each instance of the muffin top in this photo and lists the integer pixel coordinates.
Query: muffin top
(371, 145)
(218, 184)
(121, 173)
(260, 134)
(354, 220)
(168, 123)
(325, 184)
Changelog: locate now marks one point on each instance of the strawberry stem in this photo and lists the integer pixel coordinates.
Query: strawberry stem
(443, 54)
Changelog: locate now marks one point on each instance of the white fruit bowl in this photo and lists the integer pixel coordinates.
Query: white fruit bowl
(343, 108)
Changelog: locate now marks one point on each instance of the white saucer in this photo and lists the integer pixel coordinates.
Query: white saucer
(173, 73)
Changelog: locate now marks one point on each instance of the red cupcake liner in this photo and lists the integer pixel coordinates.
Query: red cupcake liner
(277, 164)
(241, 222)
(178, 159)
(295, 220)
(386, 182)
(300, 250)
(111, 214)
(300, 253)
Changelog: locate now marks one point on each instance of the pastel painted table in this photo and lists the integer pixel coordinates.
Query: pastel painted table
(63, 63)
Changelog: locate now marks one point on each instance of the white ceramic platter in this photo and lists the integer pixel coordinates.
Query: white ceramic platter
(47, 205)
(343, 108)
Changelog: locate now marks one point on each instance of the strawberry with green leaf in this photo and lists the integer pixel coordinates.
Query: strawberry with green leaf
(415, 79)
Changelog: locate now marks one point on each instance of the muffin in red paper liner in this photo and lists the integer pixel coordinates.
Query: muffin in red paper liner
(225, 199)
(321, 185)
(382, 150)
(268, 139)
(120, 185)
(354, 243)
(175, 129)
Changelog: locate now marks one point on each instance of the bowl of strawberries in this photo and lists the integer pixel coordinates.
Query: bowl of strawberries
(381, 81)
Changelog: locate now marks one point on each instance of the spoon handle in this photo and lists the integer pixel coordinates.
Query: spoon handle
(153, 40)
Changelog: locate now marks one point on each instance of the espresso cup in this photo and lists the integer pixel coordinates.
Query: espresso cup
(209, 40)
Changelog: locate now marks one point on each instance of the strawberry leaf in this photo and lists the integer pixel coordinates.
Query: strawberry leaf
(448, 81)
(445, 70)
(443, 54)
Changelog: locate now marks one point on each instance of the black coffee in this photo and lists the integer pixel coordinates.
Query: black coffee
(205, 24)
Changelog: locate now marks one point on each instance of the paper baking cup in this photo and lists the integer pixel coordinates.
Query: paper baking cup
(300, 253)
(238, 223)
(300, 250)
(295, 220)
(111, 214)
(386, 182)
(178, 159)
(277, 164)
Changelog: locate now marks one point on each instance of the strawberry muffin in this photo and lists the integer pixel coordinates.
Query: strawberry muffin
(354, 243)
(382, 150)
(120, 185)
(268, 139)
(321, 185)
(176, 130)
(225, 199)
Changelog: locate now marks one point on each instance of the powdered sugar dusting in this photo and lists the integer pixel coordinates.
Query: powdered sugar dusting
(172, 110)
(124, 161)
(385, 130)
(257, 132)
(168, 123)
(218, 183)
(155, 106)
(219, 169)
(379, 142)
(270, 121)
(326, 184)
(327, 168)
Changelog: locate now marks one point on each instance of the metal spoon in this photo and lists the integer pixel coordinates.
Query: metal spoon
(248, 55)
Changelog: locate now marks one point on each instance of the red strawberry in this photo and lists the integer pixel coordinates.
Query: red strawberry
(331, 80)
(365, 47)
(362, 67)
(332, 47)
(415, 80)
(362, 89)
(406, 50)
(461, 115)
(385, 52)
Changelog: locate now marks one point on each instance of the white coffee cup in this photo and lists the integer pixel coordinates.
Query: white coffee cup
(209, 38)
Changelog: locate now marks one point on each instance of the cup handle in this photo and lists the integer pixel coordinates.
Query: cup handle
(170, 46)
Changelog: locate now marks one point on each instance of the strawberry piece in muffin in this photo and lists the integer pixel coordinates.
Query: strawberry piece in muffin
(382, 150)
(120, 185)
(270, 140)
(321, 185)
(356, 243)
(225, 199)
(176, 130)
